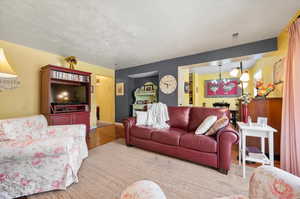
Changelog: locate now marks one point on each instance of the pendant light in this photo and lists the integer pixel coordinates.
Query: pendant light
(244, 74)
(235, 72)
(245, 77)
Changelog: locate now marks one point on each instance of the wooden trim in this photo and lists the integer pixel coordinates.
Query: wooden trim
(63, 69)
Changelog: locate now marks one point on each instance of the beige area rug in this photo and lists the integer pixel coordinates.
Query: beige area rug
(110, 168)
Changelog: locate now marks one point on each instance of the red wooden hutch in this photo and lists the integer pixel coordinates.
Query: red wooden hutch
(58, 83)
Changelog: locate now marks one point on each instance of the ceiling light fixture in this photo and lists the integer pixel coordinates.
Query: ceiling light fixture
(234, 72)
(245, 76)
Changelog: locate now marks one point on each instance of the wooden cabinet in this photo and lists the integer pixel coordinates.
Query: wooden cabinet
(59, 119)
(65, 96)
(70, 118)
(272, 109)
(147, 94)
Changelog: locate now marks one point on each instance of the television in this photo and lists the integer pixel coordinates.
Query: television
(62, 94)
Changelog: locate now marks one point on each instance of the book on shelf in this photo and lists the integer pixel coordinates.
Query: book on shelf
(259, 156)
(69, 76)
(251, 149)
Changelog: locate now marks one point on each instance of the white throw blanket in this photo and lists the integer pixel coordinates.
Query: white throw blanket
(157, 115)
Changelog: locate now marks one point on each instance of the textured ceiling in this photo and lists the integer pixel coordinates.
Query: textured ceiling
(120, 34)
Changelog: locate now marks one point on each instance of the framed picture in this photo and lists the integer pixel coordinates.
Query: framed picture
(262, 121)
(120, 89)
(278, 72)
(148, 88)
(222, 88)
(186, 87)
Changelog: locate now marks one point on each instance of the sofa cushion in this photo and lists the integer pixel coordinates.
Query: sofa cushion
(201, 143)
(198, 114)
(143, 132)
(169, 136)
(206, 125)
(179, 117)
(218, 125)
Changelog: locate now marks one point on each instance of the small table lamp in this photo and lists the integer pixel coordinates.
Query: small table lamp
(8, 77)
(5, 69)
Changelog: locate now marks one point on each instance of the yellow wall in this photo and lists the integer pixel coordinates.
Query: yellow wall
(266, 65)
(27, 62)
(267, 62)
(196, 90)
(186, 78)
(104, 96)
(200, 96)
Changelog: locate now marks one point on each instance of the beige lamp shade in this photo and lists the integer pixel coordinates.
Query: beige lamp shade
(5, 69)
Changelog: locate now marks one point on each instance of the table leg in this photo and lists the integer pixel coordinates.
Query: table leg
(262, 145)
(271, 148)
(244, 154)
(240, 146)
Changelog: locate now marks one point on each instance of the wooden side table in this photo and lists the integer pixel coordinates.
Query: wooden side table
(256, 131)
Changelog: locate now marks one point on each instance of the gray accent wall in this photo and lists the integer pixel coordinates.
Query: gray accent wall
(170, 67)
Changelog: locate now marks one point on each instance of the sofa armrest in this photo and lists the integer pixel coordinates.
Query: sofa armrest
(225, 139)
(74, 130)
(34, 148)
(128, 123)
(229, 130)
(271, 182)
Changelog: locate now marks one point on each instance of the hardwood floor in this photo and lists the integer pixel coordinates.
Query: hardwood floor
(105, 134)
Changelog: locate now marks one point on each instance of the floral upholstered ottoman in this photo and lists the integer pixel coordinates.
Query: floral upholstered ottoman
(143, 189)
(271, 183)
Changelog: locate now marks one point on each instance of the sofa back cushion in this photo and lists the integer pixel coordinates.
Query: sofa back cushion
(179, 117)
(23, 128)
(198, 115)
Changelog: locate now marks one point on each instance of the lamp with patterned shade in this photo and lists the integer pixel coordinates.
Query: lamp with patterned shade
(8, 77)
(5, 69)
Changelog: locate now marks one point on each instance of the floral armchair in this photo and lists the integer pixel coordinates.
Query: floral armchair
(35, 157)
(271, 183)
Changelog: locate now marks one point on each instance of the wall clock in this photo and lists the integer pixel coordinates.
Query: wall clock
(168, 84)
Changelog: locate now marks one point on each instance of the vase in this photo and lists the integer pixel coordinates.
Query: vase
(245, 112)
(260, 97)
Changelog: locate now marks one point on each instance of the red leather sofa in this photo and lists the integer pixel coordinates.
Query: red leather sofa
(181, 142)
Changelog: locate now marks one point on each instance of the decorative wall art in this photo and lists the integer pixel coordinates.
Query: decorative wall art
(278, 72)
(228, 87)
(120, 89)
